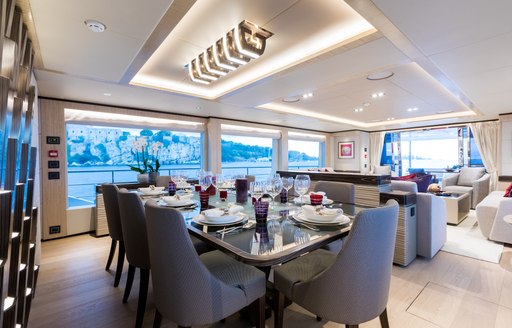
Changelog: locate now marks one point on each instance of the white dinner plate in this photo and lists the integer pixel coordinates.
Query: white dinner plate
(339, 220)
(228, 220)
(184, 203)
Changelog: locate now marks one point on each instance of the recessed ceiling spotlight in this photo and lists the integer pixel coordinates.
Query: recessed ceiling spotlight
(95, 25)
(307, 95)
(107, 94)
(380, 76)
(390, 118)
(412, 109)
(357, 110)
(379, 94)
(366, 104)
(290, 99)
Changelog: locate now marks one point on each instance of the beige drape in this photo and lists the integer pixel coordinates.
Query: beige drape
(486, 136)
(376, 144)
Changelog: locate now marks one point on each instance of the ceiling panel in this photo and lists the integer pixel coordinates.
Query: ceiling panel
(68, 46)
(438, 25)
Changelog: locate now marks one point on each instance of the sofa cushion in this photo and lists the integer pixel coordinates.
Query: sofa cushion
(508, 191)
(382, 170)
(468, 175)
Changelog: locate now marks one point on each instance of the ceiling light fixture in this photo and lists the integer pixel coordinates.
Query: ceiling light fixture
(380, 76)
(244, 42)
(379, 94)
(357, 110)
(412, 109)
(95, 25)
(290, 99)
(307, 95)
(390, 118)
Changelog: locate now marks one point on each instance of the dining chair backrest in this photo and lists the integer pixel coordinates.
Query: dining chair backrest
(343, 192)
(109, 192)
(355, 288)
(162, 181)
(133, 222)
(184, 289)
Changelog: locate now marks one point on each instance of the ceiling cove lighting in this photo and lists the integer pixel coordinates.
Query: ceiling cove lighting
(238, 47)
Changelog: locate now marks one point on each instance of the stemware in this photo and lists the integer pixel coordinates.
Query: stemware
(302, 183)
(257, 189)
(287, 184)
(205, 181)
(273, 187)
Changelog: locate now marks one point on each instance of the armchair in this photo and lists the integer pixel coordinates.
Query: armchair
(430, 219)
(472, 180)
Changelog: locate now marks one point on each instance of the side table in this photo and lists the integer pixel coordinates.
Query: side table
(457, 206)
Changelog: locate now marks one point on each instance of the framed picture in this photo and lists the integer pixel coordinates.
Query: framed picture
(346, 149)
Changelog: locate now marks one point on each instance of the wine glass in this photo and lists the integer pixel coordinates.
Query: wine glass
(273, 187)
(205, 181)
(287, 184)
(302, 183)
(257, 189)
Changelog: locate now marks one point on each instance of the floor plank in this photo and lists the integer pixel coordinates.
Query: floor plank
(74, 290)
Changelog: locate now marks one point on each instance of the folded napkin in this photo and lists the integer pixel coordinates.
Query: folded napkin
(314, 211)
(219, 212)
(177, 199)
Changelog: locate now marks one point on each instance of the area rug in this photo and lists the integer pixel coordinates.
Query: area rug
(466, 239)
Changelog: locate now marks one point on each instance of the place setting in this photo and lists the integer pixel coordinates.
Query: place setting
(230, 215)
(178, 201)
(316, 215)
(151, 191)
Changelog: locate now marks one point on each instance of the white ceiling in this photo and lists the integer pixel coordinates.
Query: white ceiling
(461, 46)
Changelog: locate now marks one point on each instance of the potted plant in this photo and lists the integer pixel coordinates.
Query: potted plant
(153, 165)
(140, 148)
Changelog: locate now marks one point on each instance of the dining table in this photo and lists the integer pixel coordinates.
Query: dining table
(282, 238)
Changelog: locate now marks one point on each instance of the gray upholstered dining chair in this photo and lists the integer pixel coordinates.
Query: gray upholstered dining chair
(133, 222)
(350, 287)
(195, 290)
(343, 192)
(115, 231)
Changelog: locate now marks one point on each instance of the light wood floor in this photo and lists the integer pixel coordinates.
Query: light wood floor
(74, 290)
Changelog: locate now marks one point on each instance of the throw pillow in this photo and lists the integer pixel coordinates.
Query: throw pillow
(508, 191)
(407, 177)
(423, 182)
(468, 175)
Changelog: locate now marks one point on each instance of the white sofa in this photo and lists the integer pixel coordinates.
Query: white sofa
(430, 219)
(492, 213)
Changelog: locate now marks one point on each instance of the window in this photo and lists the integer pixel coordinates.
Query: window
(433, 149)
(303, 154)
(98, 154)
(242, 155)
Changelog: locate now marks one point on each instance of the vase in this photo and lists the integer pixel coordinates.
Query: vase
(142, 178)
(152, 177)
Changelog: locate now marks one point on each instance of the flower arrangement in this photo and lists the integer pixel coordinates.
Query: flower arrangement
(147, 159)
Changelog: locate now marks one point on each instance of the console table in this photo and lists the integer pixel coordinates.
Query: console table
(367, 186)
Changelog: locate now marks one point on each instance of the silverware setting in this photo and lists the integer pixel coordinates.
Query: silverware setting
(225, 231)
(307, 226)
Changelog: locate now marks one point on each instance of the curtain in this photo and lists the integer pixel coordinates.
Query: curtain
(376, 144)
(486, 136)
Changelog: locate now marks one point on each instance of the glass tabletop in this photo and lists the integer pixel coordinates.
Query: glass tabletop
(279, 240)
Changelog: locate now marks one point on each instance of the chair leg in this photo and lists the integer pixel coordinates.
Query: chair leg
(278, 309)
(120, 262)
(260, 322)
(158, 319)
(111, 254)
(384, 323)
(129, 283)
(143, 295)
